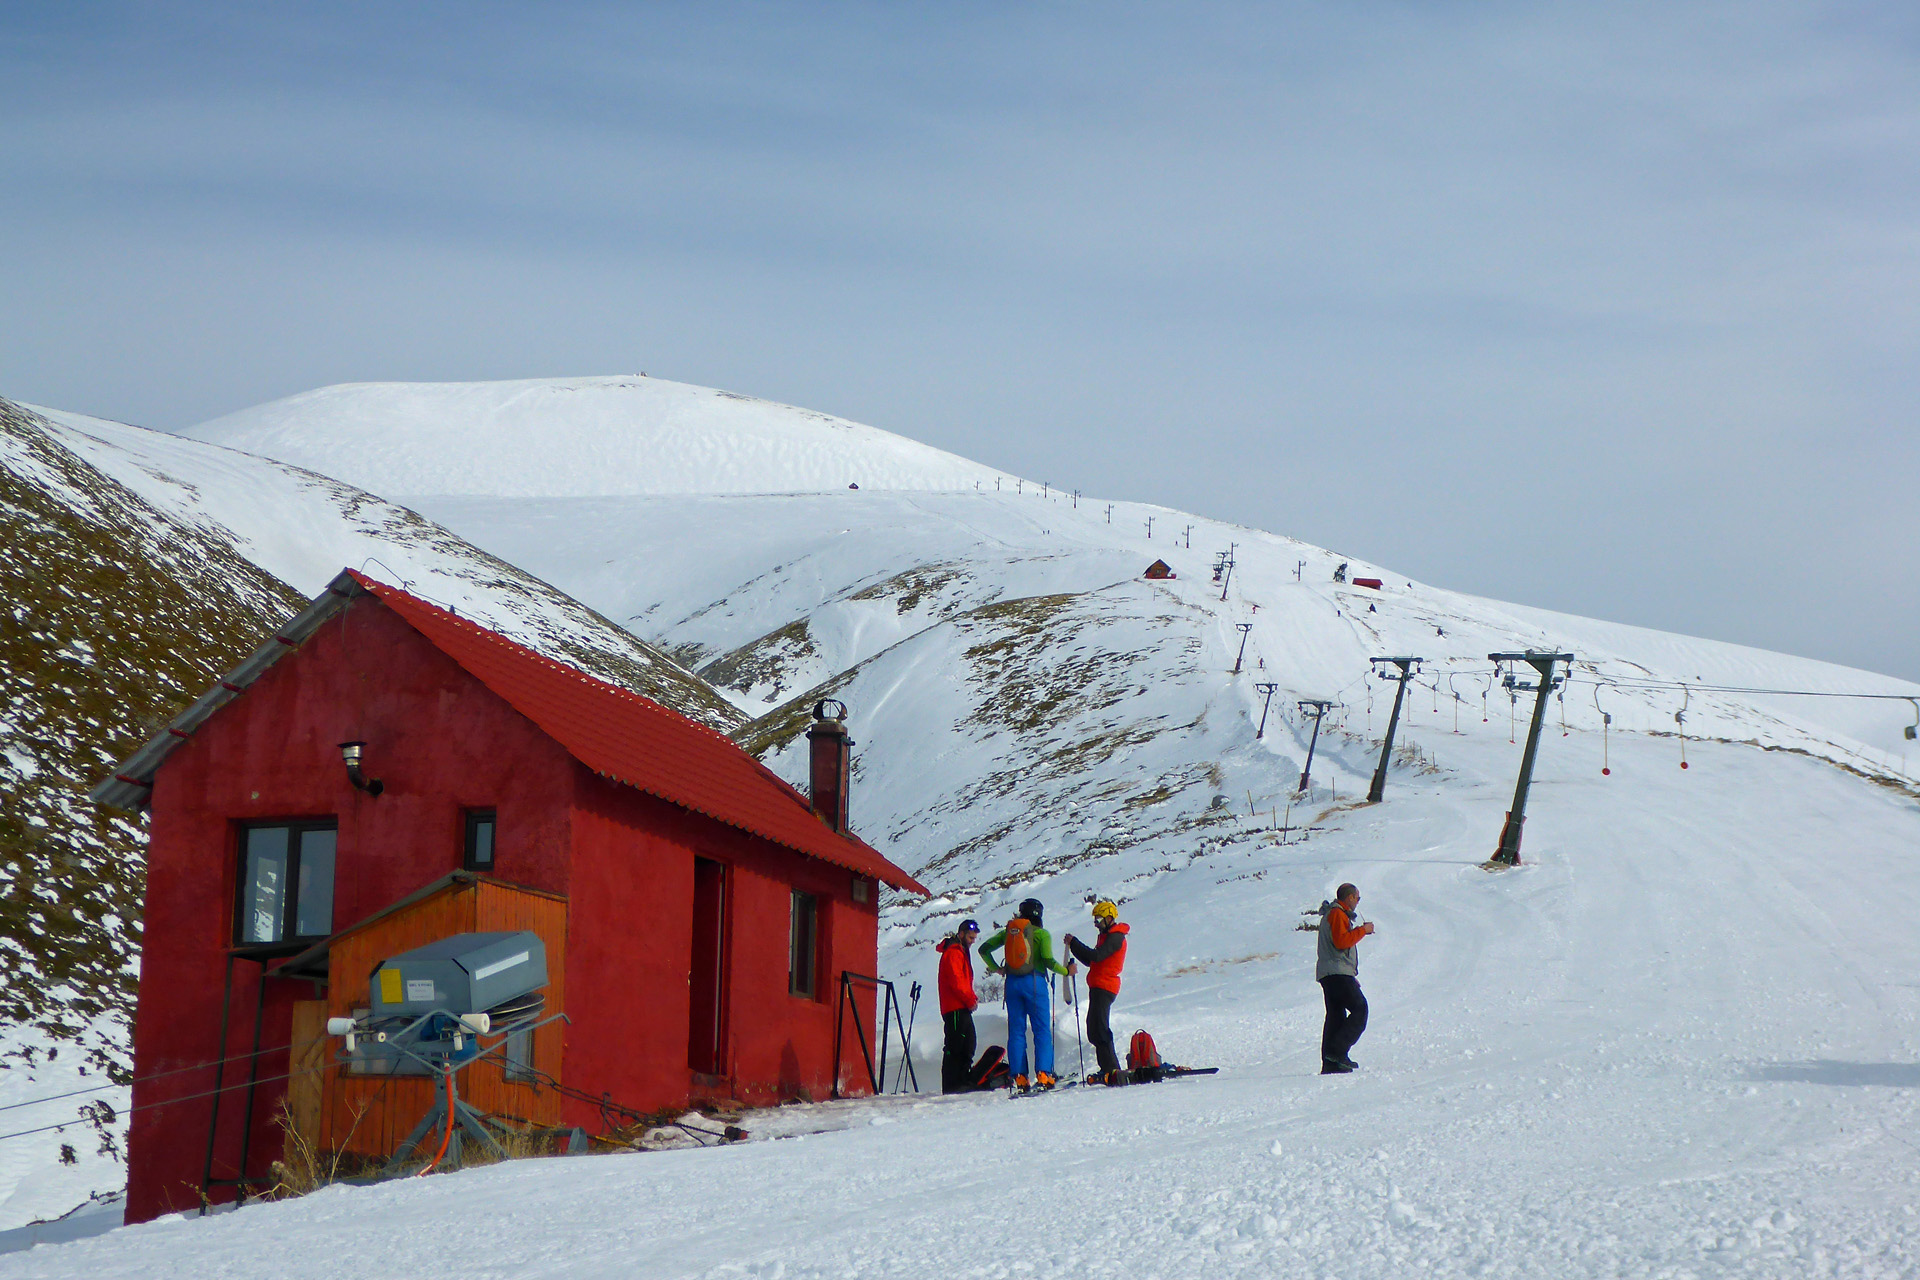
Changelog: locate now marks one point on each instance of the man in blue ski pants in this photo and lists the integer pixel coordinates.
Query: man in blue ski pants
(1028, 961)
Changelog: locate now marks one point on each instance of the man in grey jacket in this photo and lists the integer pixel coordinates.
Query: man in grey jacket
(1337, 969)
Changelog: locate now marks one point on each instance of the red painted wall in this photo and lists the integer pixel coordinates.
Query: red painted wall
(441, 742)
(436, 738)
(630, 939)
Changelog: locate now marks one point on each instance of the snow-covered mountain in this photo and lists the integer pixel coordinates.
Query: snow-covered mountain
(561, 437)
(1665, 1042)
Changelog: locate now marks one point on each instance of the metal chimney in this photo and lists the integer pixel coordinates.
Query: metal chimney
(831, 766)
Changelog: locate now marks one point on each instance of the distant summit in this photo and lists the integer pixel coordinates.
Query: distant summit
(581, 437)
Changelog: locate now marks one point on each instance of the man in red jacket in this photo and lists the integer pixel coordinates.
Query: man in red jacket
(1104, 960)
(957, 1003)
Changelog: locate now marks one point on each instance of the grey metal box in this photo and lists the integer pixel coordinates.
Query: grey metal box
(465, 973)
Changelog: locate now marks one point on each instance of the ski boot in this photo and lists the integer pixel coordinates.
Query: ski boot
(1045, 1080)
(1020, 1084)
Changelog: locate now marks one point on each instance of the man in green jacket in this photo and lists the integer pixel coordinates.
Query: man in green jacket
(1028, 961)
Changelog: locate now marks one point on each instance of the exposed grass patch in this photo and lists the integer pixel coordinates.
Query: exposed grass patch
(115, 616)
(764, 661)
(909, 588)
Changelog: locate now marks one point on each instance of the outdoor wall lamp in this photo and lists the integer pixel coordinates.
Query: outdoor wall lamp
(350, 753)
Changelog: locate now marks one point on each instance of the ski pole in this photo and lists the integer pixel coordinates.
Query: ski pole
(1073, 993)
(906, 1047)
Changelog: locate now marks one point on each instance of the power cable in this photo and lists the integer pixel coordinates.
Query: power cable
(157, 1075)
(164, 1102)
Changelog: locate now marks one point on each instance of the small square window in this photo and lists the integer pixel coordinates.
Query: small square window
(478, 855)
(803, 958)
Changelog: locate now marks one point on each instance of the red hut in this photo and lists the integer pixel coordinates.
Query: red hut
(382, 774)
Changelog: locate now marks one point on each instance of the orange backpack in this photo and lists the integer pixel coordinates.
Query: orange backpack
(1017, 960)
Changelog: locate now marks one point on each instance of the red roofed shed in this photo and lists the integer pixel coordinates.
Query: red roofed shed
(697, 911)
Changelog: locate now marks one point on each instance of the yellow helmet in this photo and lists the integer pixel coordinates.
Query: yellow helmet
(1105, 910)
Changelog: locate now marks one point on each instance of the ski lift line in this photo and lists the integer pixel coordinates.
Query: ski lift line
(109, 1086)
(1635, 683)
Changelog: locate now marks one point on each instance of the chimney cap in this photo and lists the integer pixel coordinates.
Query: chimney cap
(820, 709)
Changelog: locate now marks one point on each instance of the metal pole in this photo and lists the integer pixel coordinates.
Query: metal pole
(1319, 713)
(890, 1010)
(1379, 788)
(219, 1086)
(253, 1075)
(839, 1021)
(1509, 851)
(1245, 629)
(1267, 687)
(1073, 992)
(906, 1036)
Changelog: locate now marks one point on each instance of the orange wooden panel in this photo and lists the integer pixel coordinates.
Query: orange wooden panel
(371, 1115)
(306, 1085)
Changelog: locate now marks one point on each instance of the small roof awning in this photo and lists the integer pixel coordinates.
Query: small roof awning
(312, 963)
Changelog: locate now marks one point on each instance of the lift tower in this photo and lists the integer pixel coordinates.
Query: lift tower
(1508, 853)
(1319, 708)
(1379, 788)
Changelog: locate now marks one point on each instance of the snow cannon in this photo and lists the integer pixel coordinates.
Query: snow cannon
(431, 1005)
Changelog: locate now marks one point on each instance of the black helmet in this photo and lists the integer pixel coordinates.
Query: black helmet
(1031, 910)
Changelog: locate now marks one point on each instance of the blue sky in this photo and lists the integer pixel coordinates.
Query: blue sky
(1609, 309)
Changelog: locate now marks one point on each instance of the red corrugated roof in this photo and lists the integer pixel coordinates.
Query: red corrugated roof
(638, 742)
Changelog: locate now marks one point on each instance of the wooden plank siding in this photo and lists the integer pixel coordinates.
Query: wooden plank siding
(306, 1086)
(371, 1115)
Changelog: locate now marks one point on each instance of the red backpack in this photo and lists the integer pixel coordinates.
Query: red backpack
(1141, 1054)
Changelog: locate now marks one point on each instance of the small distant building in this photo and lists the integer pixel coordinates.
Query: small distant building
(1160, 569)
(382, 774)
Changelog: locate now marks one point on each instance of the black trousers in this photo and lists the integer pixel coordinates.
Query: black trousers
(1100, 1027)
(956, 1064)
(1346, 1016)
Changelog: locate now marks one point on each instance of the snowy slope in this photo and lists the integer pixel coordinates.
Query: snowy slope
(554, 437)
(883, 597)
(1679, 1040)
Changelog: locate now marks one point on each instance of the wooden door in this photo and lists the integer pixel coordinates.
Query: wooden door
(706, 977)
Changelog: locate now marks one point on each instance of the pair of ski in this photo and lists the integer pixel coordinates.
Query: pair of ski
(1166, 1073)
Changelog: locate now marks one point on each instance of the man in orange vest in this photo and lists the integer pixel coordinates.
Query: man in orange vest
(1337, 967)
(1104, 960)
